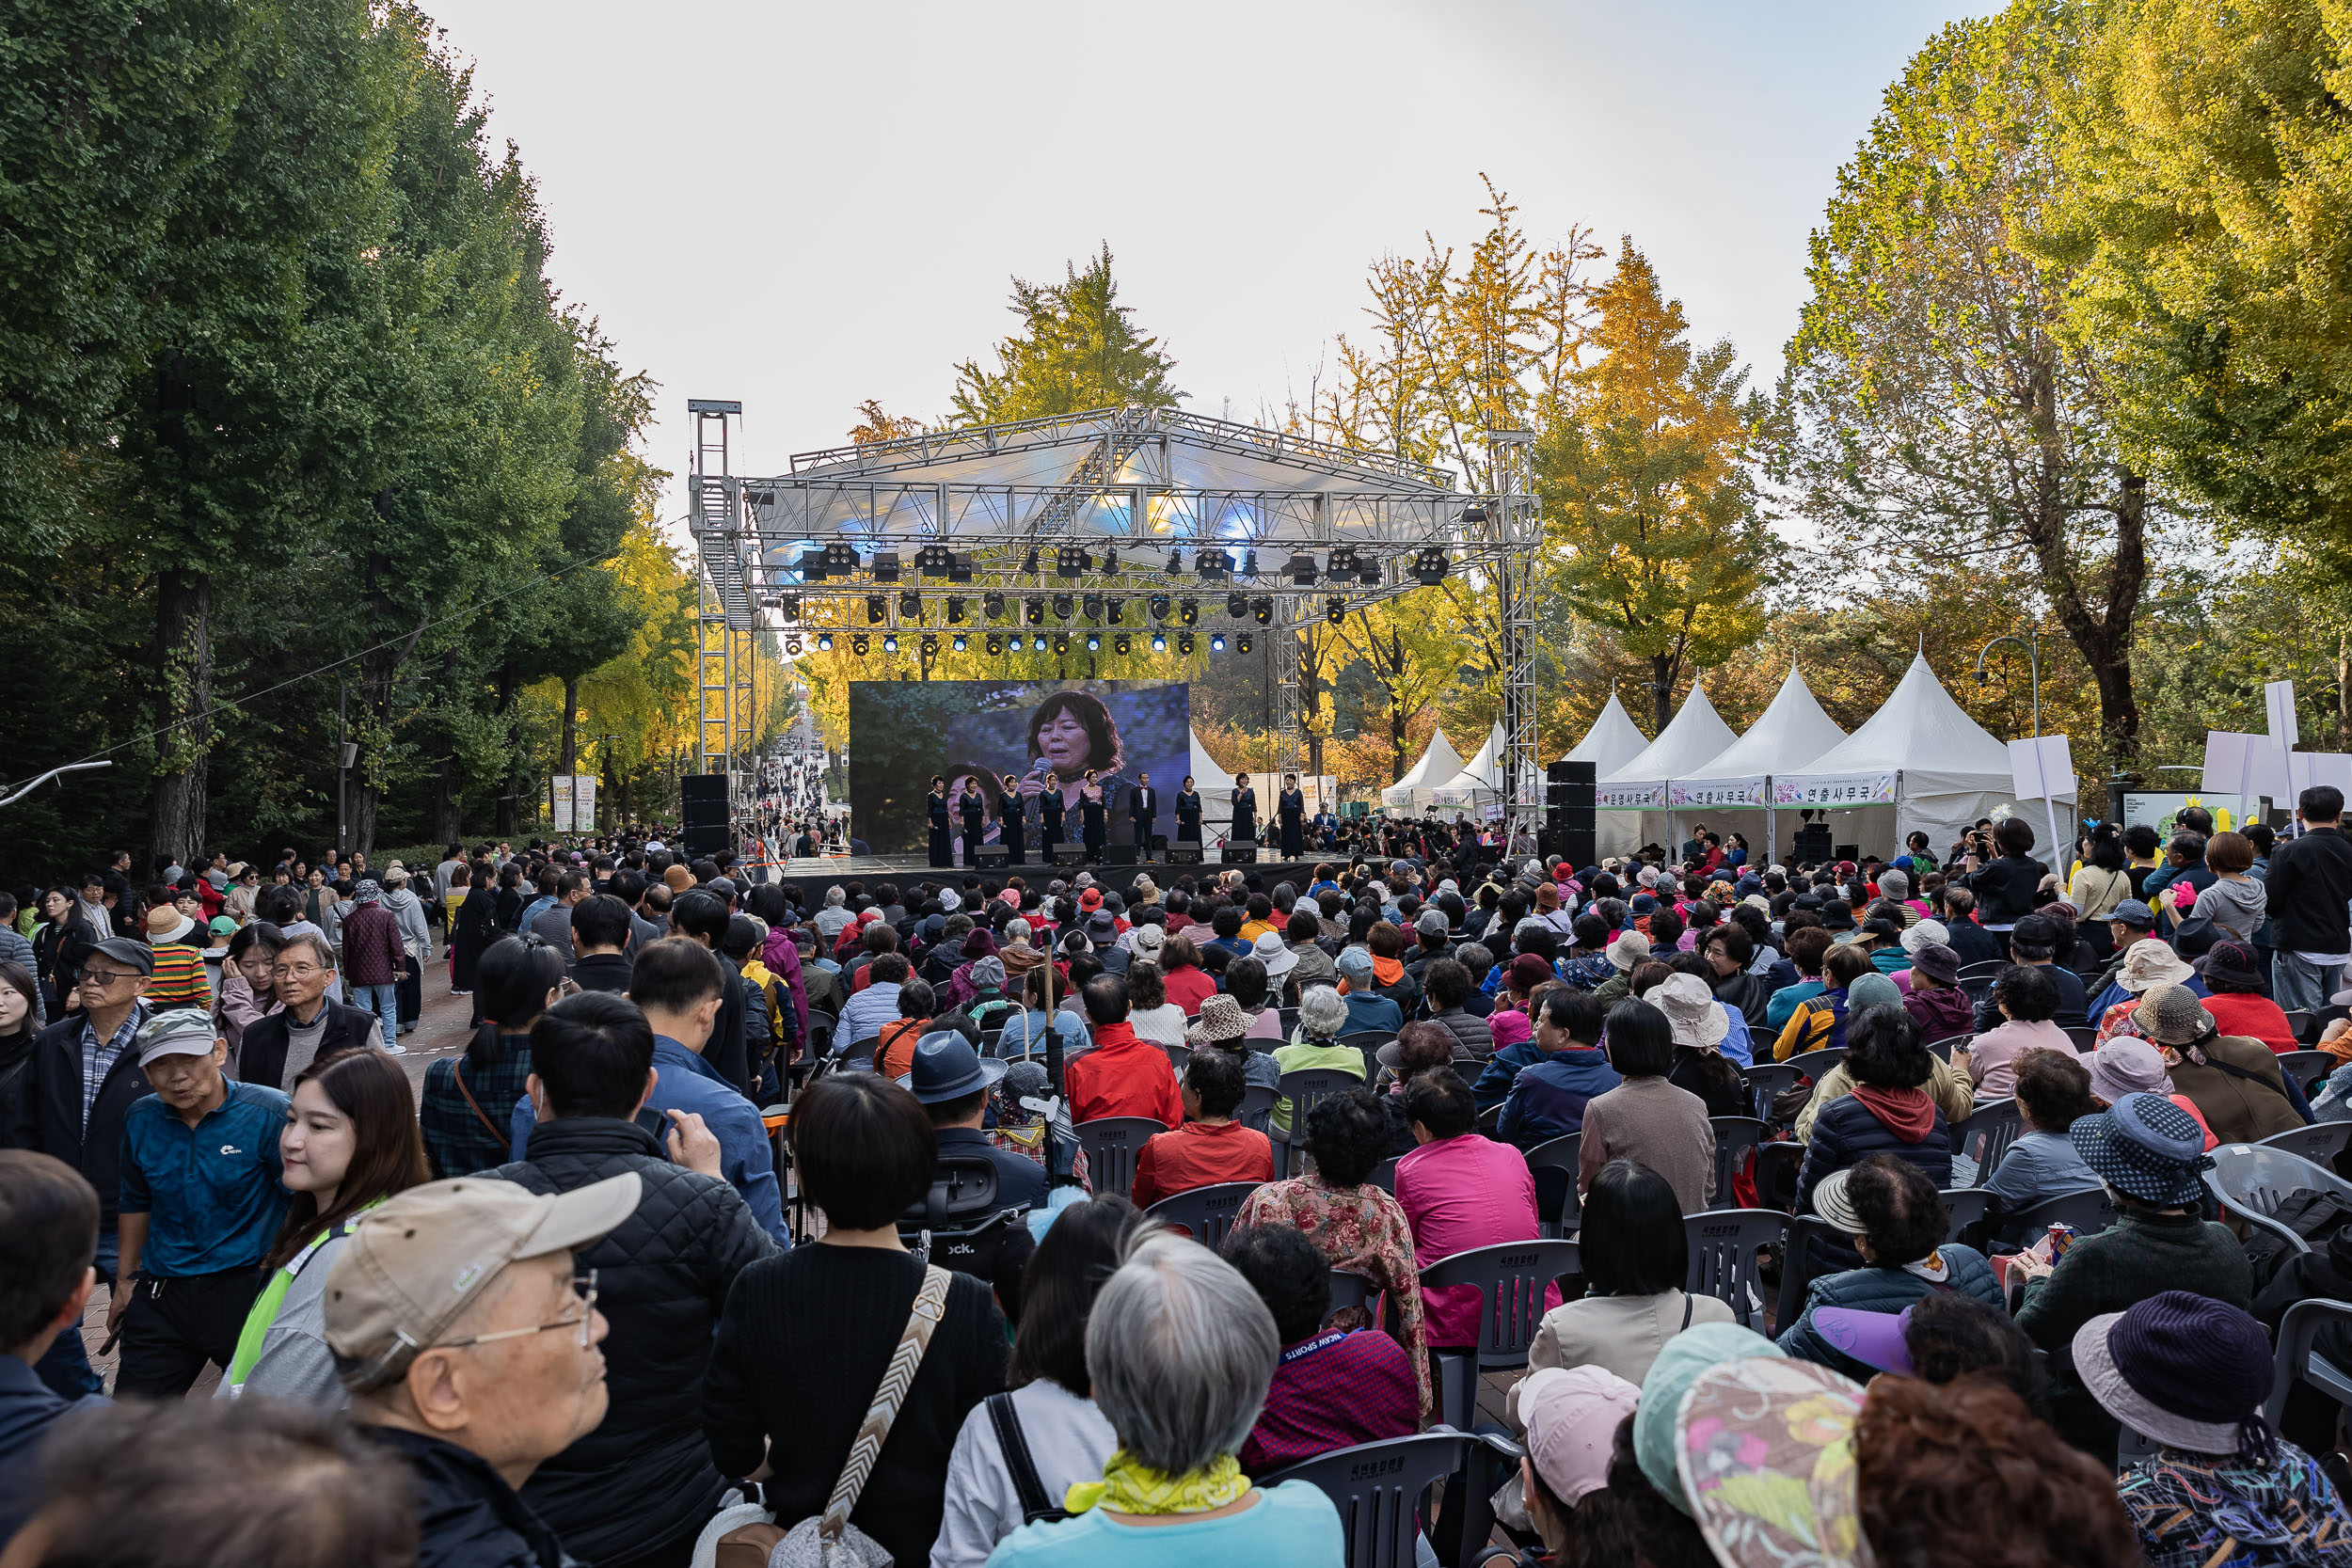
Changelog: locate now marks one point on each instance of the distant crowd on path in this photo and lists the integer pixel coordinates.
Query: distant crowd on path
(581, 1301)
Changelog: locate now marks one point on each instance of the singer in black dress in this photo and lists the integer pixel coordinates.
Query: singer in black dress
(1012, 822)
(1049, 817)
(1095, 815)
(942, 851)
(975, 819)
(1245, 809)
(1291, 807)
(1188, 813)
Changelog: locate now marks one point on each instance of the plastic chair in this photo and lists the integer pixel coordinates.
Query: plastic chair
(1800, 1266)
(1985, 1133)
(1256, 1110)
(1351, 1290)
(1489, 1121)
(1111, 1143)
(1178, 1055)
(1773, 1162)
(2306, 1068)
(1768, 1082)
(2299, 1022)
(1559, 1154)
(1976, 988)
(1724, 1244)
(1987, 969)
(1512, 1278)
(2085, 1038)
(1305, 1090)
(2251, 1180)
(2295, 1359)
(1968, 1206)
(1377, 1488)
(1733, 1137)
(1944, 1047)
(2089, 1211)
(1383, 1177)
(1816, 1064)
(1205, 1212)
(2319, 1142)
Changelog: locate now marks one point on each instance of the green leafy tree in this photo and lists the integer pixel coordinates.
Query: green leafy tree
(1077, 349)
(1644, 473)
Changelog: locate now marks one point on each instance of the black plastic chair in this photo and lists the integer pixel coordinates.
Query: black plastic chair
(1801, 1264)
(1511, 1278)
(1256, 1110)
(1777, 1167)
(1723, 1245)
(1178, 1055)
(2307, 1069)
(1353, 1290)
(1559, 1154)
(1205, 1212)
(1378, 1487)
(2083, 1038)
(1383, 1177)
(2297, 1359)
(1985, 1133)
(1944, 1047)
(2089, 1211)
(2299, 1022)
(2319, 1142)
(1818, 1064)
(1969, 1205)
(1111, 1143)
(1768, 1082)
(1489, 1121)
(1305, 1090)
(1733, 1137)
(2251, 1180)
(1976, 988)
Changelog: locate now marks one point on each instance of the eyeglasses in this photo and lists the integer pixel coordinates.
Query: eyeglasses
(101, 978)
(296, 972)
(585, 1290)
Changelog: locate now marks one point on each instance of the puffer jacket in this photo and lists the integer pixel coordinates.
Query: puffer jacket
(645, 1476)
(1846, 1133)
(1502, 1070)
(1473, 1041)
(1877, 1290)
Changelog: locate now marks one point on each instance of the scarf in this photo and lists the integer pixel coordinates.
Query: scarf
(1129, 1488)
(1909, 1114)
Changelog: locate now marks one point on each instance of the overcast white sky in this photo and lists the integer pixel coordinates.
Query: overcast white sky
(804, 205)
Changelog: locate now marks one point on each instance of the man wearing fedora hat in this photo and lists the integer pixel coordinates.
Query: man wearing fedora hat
(2150, 1156)
(953, 1083)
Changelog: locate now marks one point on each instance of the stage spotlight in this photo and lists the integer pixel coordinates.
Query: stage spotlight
(1213, 565)
(931, 647)
(792, 647)
(813, 565)
(858, 645)
(955, 609)
(1429, 566)
(1368, 569)
(789, 606)
(1217, 642)
(1029, 565)
(1110, 559)
(1119, 645)
(1241, 644)
(1183, 644)
(1249, 563)
(1335, 609)
(877, 608)
(959, 642)
(1158, 606)
(1262, 612)
(840, 560)
(1061, 607)
(1092, 606)
(1474, 513)
(1038, 643)
(1189, 613)
(1159, 642)
(995, 645)
(1113, 609)
(1036, 611)
(1072, 561)
(1094, 642)
(825, 642)
(1061, 642)
(1236, 606)
(993, 606)
(960, 566)
(1342, 562)
(890, 643)
(885, 565)
(1301, 568)
(1175, 567)
(935, 561)
(910, 607)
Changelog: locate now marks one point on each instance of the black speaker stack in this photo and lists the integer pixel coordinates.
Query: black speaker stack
(1812, 845)
(702, 810)
(1572, 823)
(1241, 851)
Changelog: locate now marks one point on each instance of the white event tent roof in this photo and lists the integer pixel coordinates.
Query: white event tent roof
(1481, 778)
(1439, 762)
(1787, 736)
(1611, 742)
(1696, 736)
(1214, 784)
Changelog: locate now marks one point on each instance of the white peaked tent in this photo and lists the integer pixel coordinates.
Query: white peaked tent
(1787, 736)
(1696, 736)
(1480, 780)
(1918, 764)
(1437, 763)
(1610, 744)
(1215, 787)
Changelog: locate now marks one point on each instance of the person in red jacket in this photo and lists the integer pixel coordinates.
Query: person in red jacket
(1188, 984)
(1122, 1076)
(1211, 1147)
(2237, 1003)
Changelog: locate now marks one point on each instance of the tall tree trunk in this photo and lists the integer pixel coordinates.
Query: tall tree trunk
(448, 790)
(510, 787)
(183, 696)
(1662, 691)
(2343, 693)
(571, 725)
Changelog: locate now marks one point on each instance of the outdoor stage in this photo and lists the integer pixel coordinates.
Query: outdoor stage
(813, 873)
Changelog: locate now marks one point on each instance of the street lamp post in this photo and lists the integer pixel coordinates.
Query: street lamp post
(2031, 642)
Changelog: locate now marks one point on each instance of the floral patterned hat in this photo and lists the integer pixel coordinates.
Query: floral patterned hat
(1764, 1449)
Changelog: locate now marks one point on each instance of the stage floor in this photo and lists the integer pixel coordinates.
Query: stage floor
(820, 871)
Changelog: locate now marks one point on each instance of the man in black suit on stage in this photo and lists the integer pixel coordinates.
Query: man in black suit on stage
(1143, 804)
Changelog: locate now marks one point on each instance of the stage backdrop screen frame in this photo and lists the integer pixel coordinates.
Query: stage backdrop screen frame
(903, 732)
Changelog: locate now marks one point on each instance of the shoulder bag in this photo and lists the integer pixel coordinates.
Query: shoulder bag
(1027, 1484)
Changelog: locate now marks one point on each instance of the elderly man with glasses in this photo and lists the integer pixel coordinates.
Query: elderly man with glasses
(310, 1024)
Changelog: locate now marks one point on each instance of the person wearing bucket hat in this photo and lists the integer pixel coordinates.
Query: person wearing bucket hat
(1764, 1458)
(954, 1082)
(1933, 998)
(1898, 1220)
(1697, 1020)
(1572, 1414)
(2192, 1374)
(1657, 1444)
(2236, 1083)
(1270, 950)
(2149, 1154)
(1224, 1025)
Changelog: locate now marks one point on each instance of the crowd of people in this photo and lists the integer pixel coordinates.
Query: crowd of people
(764, 1221)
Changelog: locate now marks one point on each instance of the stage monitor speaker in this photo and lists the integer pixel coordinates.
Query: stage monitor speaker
(702, 813)
(1241, 851)
(1070, 854)
(994, 854)
(1850, 851)
(1811, 845)
(1183, 854)
(1119, 854)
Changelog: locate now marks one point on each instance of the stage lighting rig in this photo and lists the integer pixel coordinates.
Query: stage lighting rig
(1159, 642)
(994, 644)
(1368, 569)
(1335, 610)
(1216, 642)
(1061, 642)
(1158, 606)
(1429, 566)
(1072, 561)
(993, 606)
(931, 647)
(813, 567)
(955, 609)
(1175, 567)
(1110, 559)
(789, 606)
(1036, 608)
(1029, 565)
(825, 642)
(1037, 644)
(1183, 644)
(1188, 612)
(1061, 607)
(840, 560)
(1092, 606)
(885, 565)
(1236, 605)
(792, 647)
(1262, 612)
(1249, 563)
(1113, 609)
(1301, 568)
(959, 642)
(1213, 565)
(858, 645)
(890, 643)
(1094, 642)
(1119, 645)
(1342, 560)
(910, 607)
(877, 608)
(960, 566)
(1474, 513)
(935, 561)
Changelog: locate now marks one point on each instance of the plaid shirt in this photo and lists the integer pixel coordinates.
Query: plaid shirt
(457, 1141)
(99, 1056)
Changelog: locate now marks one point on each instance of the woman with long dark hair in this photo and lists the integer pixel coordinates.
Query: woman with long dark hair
(468, 1099)
(20, 1021)
(54, 949)
(1094, 815)
(1012, 820)
(475, 929)
(248, 989)
(350, 1142)
(1188, 812)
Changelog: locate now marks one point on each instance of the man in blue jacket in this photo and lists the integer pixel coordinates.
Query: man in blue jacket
(1547, 1099)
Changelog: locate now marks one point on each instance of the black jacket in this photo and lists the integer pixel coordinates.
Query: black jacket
(47, 1114)
(261, 1055)
(2005, 889)
(645, 1476)
(1974, 943)
(466, 1516)
(602, 972)
(2311, 878)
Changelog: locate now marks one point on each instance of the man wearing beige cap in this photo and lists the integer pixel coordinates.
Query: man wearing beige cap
(471, 1348)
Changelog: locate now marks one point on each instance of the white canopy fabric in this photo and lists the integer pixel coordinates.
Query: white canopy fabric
(1787, 736)
(1920, 754)
(1439, 762)
(1215, 784)
(1611, 742)
(1696, 736)
(1479, 779)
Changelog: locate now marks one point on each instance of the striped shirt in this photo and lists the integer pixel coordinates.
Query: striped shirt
(178, 980)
